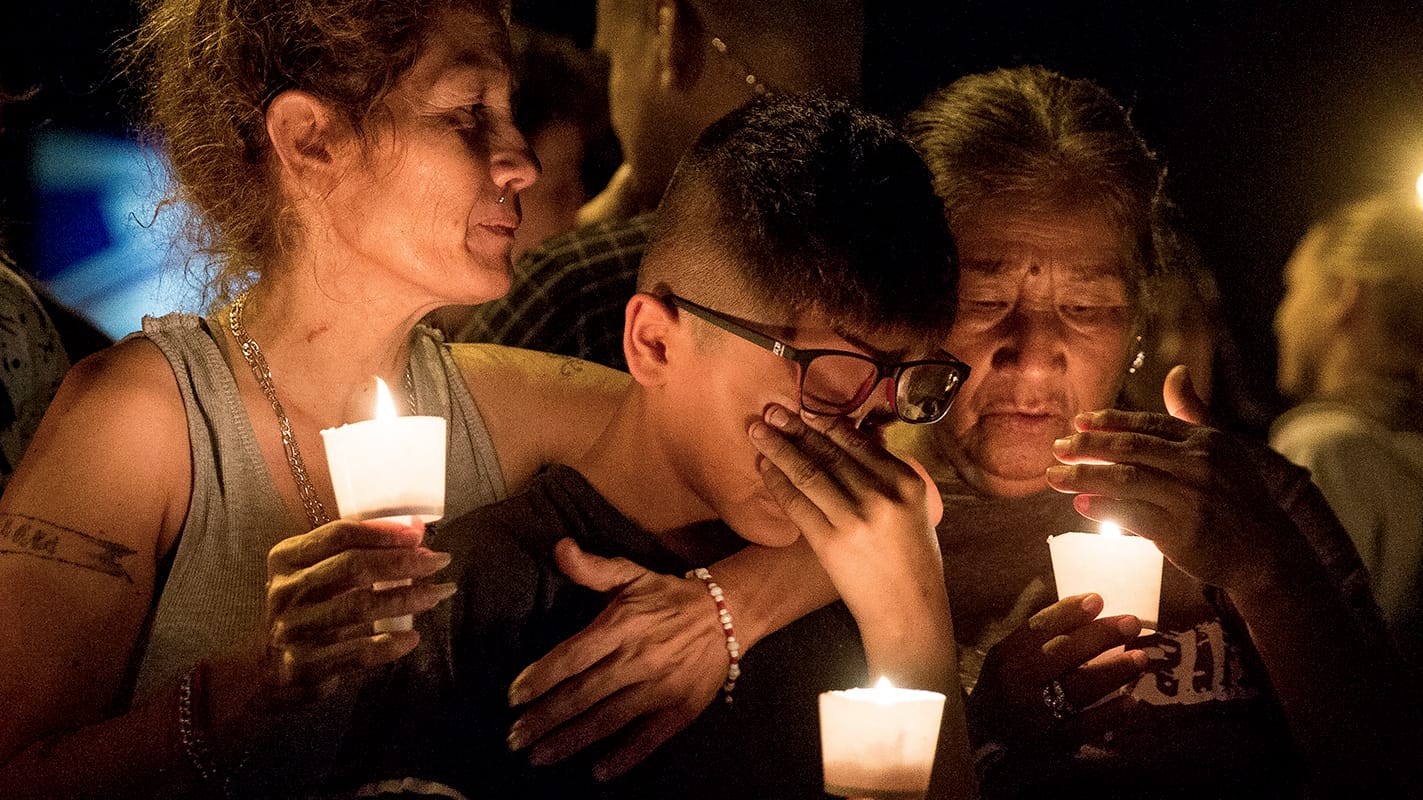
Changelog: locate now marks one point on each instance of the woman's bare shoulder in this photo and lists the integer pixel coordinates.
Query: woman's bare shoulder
(115, 439)
(539, 408)
(482, 364)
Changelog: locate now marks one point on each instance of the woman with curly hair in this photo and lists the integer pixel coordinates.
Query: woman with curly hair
(172, 581)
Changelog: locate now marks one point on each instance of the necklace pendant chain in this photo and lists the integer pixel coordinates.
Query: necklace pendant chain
(252, 354)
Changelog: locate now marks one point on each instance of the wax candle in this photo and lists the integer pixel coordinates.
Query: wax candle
(388, 468)
(1124, 570)
(879, 742)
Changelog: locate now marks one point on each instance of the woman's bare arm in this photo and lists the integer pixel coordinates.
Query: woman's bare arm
(98, 500)
(102, 489)
(539, 408)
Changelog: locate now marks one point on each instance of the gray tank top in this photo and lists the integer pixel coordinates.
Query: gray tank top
(214, 591)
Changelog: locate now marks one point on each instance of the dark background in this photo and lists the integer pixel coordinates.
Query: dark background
(1266, 114)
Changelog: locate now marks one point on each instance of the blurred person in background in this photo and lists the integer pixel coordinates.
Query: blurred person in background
(561, 107)
(675, 67)
(32, 364)
(1350, 330)
(32, 356)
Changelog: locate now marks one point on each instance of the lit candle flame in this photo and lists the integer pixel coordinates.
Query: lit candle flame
(883, 692)
(385, 405)
(1110, 528)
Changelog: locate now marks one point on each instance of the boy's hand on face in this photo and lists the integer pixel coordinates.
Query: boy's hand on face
(866, 515)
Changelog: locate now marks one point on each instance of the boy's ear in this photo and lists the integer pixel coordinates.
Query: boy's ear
(307, 138)
(650, 324)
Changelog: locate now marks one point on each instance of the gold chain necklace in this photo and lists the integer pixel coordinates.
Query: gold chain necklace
(252, 354)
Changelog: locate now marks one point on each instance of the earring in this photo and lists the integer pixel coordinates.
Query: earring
(1136, 363)
(501, 199)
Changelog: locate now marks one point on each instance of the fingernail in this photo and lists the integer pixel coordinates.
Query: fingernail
(445, 591)
(1138, 658)
(1129, 626)
(760, 431)
(1062, 445)
(601, 772)
(437, 558)
(1059, 473)
(778, 417)
(515, 739)
(539, 757)
(1092, 603)
(1084, 420)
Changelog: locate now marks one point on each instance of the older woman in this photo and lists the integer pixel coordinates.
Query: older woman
(1267, 670)
(357, 159)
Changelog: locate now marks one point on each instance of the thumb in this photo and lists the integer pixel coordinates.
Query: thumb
(594, 572)
(1181, 399)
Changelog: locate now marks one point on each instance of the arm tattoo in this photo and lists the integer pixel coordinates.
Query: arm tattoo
(25, 535)
(568, 366)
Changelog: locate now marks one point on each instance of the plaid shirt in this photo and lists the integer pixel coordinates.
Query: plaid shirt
(568, 295)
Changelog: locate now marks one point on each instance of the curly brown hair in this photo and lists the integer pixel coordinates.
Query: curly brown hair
(208, 70)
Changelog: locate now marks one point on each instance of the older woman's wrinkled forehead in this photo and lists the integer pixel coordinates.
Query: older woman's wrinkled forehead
(1075, 200)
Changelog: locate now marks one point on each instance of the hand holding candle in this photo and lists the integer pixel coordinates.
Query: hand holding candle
(388, 468)
(1124, 570)
(879, 742)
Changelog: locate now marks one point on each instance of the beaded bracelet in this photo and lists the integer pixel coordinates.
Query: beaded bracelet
(733, 649)
(191, 728)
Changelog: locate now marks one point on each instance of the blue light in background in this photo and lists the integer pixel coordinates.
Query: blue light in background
(97, 244)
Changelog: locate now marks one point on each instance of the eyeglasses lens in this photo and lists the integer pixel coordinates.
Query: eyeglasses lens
(924, 392)
(836, 384)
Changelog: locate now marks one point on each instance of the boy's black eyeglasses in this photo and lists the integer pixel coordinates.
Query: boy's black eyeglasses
(836, 382)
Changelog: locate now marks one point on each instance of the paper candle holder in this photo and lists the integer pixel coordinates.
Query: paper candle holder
(388, 468)
(1124, 570)
(879, 742)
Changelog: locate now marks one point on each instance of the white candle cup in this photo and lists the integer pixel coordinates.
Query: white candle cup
(879, 742)
(1124, 570)
(388, 468)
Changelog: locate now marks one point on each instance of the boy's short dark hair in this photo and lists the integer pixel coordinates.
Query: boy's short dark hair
(801, 204)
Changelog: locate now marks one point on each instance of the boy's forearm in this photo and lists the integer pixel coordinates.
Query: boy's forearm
(768, 588)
